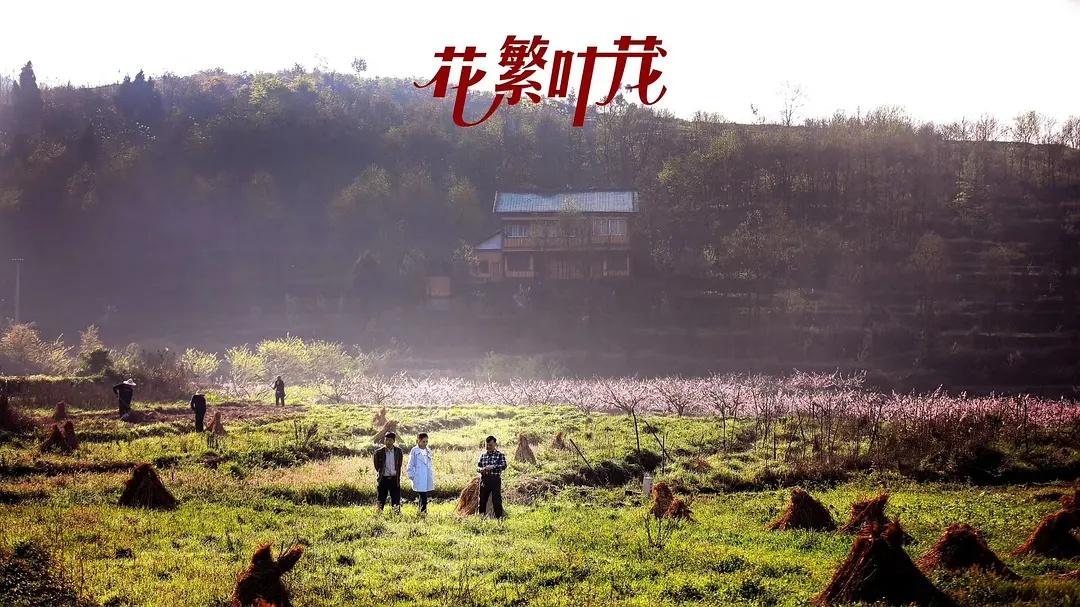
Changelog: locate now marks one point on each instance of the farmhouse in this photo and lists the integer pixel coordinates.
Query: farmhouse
(559, 236)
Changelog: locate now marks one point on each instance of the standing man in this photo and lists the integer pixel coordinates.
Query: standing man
(421, 471)
(388, 467)
(279, 391)
(492, 463)
(125, 392)
(198, 405)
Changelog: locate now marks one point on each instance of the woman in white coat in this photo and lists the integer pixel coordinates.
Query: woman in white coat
(421, 471)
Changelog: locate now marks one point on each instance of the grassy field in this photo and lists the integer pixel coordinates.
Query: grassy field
(568, 539)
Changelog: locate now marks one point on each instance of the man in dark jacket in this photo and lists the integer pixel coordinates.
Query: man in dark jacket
(490, 466)
(388, 468)
(125, 392)
(198, 405)
(279, 391)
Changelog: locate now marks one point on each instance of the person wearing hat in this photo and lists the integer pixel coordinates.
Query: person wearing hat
(490, 466)
(388, 468)
(198, 405)
(125, 392)
(279, 391)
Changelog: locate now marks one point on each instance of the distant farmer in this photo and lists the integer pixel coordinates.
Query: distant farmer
(420, 470)
(198, 405)
(388, 467)
(125, 391)
(279, 391)
(490, 467)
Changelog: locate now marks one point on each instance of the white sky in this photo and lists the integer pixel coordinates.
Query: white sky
(941, 60)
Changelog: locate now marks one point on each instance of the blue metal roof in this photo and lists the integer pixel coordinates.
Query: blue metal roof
(620, 201)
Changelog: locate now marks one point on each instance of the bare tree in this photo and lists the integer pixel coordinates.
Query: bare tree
(792, 99)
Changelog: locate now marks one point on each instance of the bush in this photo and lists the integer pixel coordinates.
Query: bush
(23, 351)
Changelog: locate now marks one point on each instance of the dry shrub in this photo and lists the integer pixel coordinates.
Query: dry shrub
(379, 419)
(962, 546)
(145, 490)
(11, 420)
(679, 510)
(389, 426)
(260, 583)
(870, 510)
(524, 452)
(697, 464)
(804, 512)
(559, 442)
(661, 499)
(54, 441)
(878, 570)
(1053, 536)
(60, 413)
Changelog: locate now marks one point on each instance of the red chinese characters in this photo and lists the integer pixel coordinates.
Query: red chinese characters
(523, 59)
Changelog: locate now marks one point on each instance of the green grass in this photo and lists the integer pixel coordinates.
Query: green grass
(581, 546)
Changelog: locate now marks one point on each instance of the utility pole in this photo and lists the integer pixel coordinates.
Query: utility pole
(18, 285)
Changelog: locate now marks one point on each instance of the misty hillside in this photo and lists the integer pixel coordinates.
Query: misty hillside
(872, 241)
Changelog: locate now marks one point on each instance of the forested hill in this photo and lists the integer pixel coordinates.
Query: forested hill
(192, 193)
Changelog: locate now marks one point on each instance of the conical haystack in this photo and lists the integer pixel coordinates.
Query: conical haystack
(389, 426)
(1053, 537)
(962, 546)
(145, 490)
(70, 439)
(804, 512)
(661, 499)
(260, 583)
(469, 500)
(60, 413)
(679, 510)
(54, 441)
(379, 419)
(870, 510)
(559, 442)
(10, 419)
(216, 427)
(524, 452)
(878, 570)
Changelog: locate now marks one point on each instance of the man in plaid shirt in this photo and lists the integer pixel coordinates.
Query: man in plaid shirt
(492, 463)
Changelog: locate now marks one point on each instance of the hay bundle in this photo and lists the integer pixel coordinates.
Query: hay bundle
(469, 500)
(524, 452)
(1053, 537)
(10, 419)
(70, 439)
(260, 583)
(878, 570)
(379, 419)
(870, 510)
(804, 512)
(559, 442)
(389, 426)
(962, 546)
(54, 441)
(679, 510)
(661, 499)
(145, 490)
(60, 413)
(216, 427)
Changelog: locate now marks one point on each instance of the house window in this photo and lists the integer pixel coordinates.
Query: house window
(611, 227)
(516, 230)
(482, 267)
(617, 262)
(520, 262)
